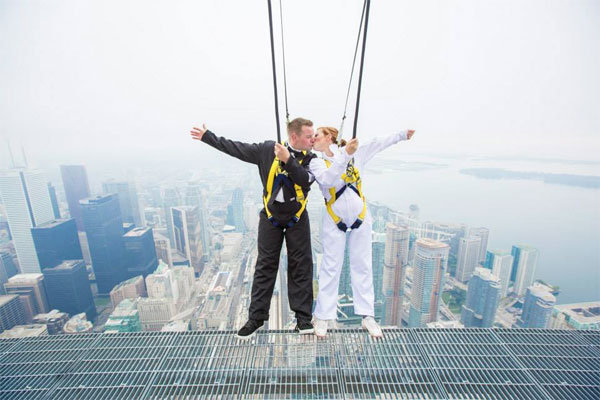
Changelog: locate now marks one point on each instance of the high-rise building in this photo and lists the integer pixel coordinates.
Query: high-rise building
(7, 269)
(195, 198)
(537, 307)
(140, 253)
(27, 204)
(128, 200)
(431, 261)
(237, 205)
(68, 288)
(579, 316)
(524, 265)
(77, 188)
(378, 261)
(154, 313)
(162, 244)
(56, 241)
(11, 312)
(31, 291)
(125, 318)
(483, 234)
(161, 283)
(188, 234)
(468, 257)
(54, 200)
(54, 320)
(171, 199)
(500, 263)
(85, 247)
(483, 296)
(130, 289)
(104, 231)
(394, 271)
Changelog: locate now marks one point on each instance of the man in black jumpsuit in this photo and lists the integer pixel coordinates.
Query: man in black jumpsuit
(283, 206)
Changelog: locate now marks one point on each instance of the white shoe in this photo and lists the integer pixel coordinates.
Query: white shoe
(320, 327)
(372, 326)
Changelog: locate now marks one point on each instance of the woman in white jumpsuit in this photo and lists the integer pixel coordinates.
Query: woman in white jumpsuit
(329, 172)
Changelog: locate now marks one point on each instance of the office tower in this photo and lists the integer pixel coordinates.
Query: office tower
(127, 226)
(524, 265)
(378, 260)
(187, 233)
(579, 316)
(500, 263)
(31, 291)
(56, 241)
(154, 313)
(161, 283)
(68, 288)
(171, 199)
(185, 281)
(125, 318)
(7, 269)
(54, 200)
(54, 320)
(195, 198)
(431, 261)
(11, 312)
(537, 308)
(483, 234)
(27, 203)
(77, 187)
(140, 253)
(163, 249)
(85, 248)
(128, 200)
(104, 231)
(237, 205)
(483, 296)
(394, 271)
(130, 289)
(468, 257)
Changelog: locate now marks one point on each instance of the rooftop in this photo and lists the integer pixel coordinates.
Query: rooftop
(406, 363)
(136, 232)
(588, 312)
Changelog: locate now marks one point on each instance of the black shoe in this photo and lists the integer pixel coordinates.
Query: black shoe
(304, 327)
(249, 329)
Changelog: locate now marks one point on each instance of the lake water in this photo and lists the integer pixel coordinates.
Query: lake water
(563, 222)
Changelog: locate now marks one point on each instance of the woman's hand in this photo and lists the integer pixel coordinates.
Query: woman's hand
(352, 146)
(410, 133)
(197, 133)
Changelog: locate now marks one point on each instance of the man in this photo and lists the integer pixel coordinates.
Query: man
(284, 174)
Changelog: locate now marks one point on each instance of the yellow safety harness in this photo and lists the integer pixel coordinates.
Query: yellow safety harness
(351, 180)
(277, 176)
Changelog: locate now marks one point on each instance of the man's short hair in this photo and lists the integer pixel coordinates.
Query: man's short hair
(296, 125)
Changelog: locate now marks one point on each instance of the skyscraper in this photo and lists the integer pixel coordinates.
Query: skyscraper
(468, 257)
(104, 231)
(378, 259)
(431, 261)
(187, 233)
(237, 204)
(53, 200)
(68, 288)
(537, 307)
(128, 200)
(140, 253)
(77, 188)
(500, 263)
(394, 271)
(524, 265)
(7, 269)
(483, 296)
(27, 203)
(195, 198)
(31, 291)
(56, 241)
(11, 312)
(171, 199)
(483, 234)
(163, 249)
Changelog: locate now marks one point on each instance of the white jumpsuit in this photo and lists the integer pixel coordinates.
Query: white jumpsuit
(348, 206)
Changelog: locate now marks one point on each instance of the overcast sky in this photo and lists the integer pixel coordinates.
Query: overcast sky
(93, 80)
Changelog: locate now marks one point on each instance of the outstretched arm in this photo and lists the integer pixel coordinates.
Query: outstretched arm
(244, 151)
(367, 151)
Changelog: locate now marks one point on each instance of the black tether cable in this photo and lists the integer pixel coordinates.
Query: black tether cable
(274, 73)
(362, 62)
(362, 16)
(287, 113)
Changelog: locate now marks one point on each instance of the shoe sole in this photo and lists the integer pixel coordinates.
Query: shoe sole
(370, 334)
(245, 337)
(306, 331)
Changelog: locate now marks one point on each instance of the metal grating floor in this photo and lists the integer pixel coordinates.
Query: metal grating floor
(405, 364)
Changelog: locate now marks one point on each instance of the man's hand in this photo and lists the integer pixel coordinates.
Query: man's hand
(410, 133)
(197, 133)
(281, 152)
(351, 146)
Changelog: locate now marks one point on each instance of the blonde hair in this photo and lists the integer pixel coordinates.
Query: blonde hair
(331, 131)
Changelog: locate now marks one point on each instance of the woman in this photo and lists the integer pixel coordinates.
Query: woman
(338, 176)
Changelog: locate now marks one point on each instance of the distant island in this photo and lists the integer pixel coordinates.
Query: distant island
(586, 181)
